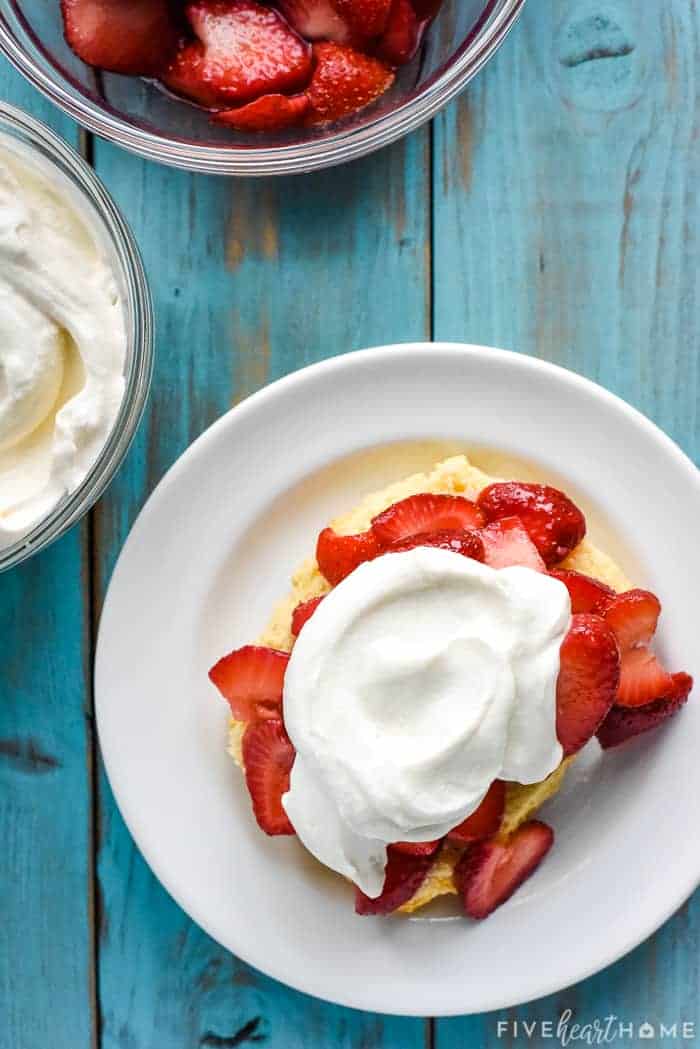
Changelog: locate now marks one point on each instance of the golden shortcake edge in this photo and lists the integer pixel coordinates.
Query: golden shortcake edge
(453, 476)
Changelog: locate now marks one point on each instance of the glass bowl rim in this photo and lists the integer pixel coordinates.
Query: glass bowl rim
(338, 148)
(140, 331)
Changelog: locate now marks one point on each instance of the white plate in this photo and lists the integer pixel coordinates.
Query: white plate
(211, 552)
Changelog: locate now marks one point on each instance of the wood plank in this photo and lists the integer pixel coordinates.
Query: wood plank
(251, 280)
(45, 940)
(566, 205)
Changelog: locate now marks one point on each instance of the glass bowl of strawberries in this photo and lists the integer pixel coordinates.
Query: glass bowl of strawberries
(252, 87)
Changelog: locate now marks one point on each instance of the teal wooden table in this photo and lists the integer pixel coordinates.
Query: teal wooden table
(554, 209)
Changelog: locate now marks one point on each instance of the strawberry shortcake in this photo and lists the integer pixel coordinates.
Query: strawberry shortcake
(437, 666)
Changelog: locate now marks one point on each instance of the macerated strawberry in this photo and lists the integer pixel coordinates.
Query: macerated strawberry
(423, 513)
(490, 871)
(366, 18)
(555, 524)
(339, 555)
(486, 820)
(623, 723)
(136, 37)
(303, 612)
(404, 875)
(243, 49)
(468, 544)
(426, 8)
(251, 679)
(268, 756)
(587, 594)
(317, 20)
(417, 848)
(589, 675)
(344, 81)
(403, 34)
(507, 543)
(633, 617)
(642, 678)
(267, 113)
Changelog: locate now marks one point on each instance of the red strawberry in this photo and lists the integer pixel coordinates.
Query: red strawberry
(589, 674)
(486, 820)
(366, 18)
(633, 617)
(344, 81)
(303, 612)
(403, 34)
(243, 49)
(642, 678)
(403, 878)
(317, 20)
(124, 36)
(426, 8)
(426, 513)
(468, 544)
(267, 113)
(622, 723)
(339, 555)
(417, 848)
(490, 871)
(268, 756)
(555, 525)
(507, 543)
(587, 594)
(251, 679)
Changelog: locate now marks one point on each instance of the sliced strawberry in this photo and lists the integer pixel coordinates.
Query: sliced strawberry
(555, 525)
(135, 37)
(589, 675)
(507, 543)
(366, 18)
(642, 678)
(403, 878)
(490, 871)
(623, 723)
(426, 513)
(267, 113)
(344, 81)
(303, 612)
(268, 756)
(486, 820)
(417, 848)
(251, 679)
(243, 49)
(403, 34)
(426, 8)
(633, 617)
(468, 544)
(317, 20)
(587, 594)
(339, 555)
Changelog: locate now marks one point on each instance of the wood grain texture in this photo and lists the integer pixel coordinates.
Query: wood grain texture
(566, 210)
(45, 882)
(251, 280)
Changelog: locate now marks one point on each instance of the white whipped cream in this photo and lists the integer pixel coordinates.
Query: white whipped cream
(62, 341)
(419, 680)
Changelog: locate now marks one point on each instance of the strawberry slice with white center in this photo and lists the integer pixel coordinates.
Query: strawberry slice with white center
(243, 49)
(486, 820)
(423, 513)
(267, 113)
(506, 543)
(633, 617)
(303, 612)
(135, 37)
(589, 675)
(251, 679)
(623, 723)
(344, 81)
(268, 756)
(403, 877)
(490, 871)
(317, 20)
(555, 524)
(587, 594)
(468, 544)
(339, 555)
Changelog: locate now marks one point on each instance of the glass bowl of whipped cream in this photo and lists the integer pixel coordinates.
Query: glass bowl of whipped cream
(76, 337)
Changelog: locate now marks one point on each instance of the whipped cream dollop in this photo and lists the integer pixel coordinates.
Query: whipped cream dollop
(62, 341)
(419, 680)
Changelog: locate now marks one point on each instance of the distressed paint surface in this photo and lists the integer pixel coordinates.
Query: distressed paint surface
(561, 221)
